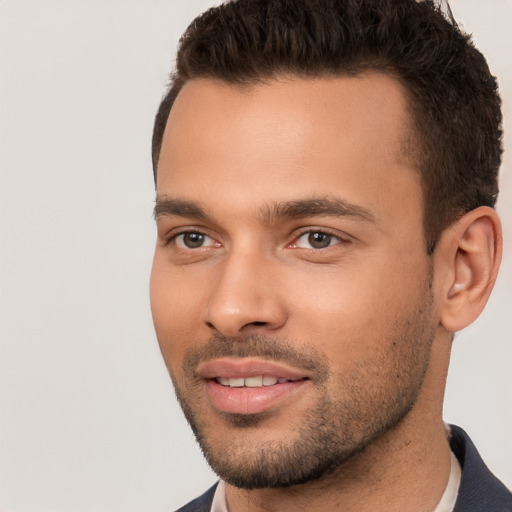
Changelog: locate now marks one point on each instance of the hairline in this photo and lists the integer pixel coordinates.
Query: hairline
(412, 144)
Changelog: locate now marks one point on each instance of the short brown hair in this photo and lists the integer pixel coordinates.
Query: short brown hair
(453, 96)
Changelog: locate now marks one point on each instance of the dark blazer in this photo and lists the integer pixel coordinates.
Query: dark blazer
(479, 491)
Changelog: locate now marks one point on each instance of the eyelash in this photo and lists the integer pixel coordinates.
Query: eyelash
(322, 231)
(309, 231)
(174, 236)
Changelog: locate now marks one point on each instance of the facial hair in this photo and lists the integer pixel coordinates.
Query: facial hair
(351, 411)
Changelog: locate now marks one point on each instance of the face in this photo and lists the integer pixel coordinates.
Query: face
(291, 290)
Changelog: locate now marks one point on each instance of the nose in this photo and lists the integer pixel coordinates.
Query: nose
(246, 297)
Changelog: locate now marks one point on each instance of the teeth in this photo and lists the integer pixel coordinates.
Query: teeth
(252, 382)
(236, 383)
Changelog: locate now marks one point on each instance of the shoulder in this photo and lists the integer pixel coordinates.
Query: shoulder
(201, 504)
(479, 489)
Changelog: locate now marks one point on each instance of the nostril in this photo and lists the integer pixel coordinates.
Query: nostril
(258, 323)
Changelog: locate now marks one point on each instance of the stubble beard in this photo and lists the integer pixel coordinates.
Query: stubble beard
(352, 411)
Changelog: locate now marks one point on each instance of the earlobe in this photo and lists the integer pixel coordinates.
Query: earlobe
(471, 256)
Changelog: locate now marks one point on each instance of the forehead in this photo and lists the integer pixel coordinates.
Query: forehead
(289, 137)
(366, 103)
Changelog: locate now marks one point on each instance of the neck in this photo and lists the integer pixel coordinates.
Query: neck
(406, 468)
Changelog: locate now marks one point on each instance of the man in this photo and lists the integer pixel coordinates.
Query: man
(326, 172)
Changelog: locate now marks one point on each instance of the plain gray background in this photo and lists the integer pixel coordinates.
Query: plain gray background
(88, 416)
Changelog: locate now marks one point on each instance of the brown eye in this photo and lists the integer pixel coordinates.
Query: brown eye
(316, 239)
(193, 240)
(319, 240)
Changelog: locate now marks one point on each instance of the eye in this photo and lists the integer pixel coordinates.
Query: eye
(316, 240)
(193, 240)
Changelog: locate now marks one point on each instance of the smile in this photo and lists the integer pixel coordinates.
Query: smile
(253, 382)
(250, 385)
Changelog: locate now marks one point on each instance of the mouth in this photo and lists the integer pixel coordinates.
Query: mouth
(250, 386)
(257, 381)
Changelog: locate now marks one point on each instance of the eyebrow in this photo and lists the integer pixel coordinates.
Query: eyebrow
(179, 207)
(317, 207)
(301, 208)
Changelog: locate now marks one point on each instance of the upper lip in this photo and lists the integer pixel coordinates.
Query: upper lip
(247, 367)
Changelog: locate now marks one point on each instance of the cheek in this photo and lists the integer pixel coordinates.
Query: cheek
(358, 313)
(174, 309)
(174, 293)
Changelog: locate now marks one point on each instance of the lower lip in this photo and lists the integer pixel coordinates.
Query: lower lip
(245, 400)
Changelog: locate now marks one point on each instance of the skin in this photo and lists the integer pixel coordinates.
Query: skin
(367, 318)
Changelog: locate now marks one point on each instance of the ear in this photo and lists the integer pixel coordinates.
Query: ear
(468, 257)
